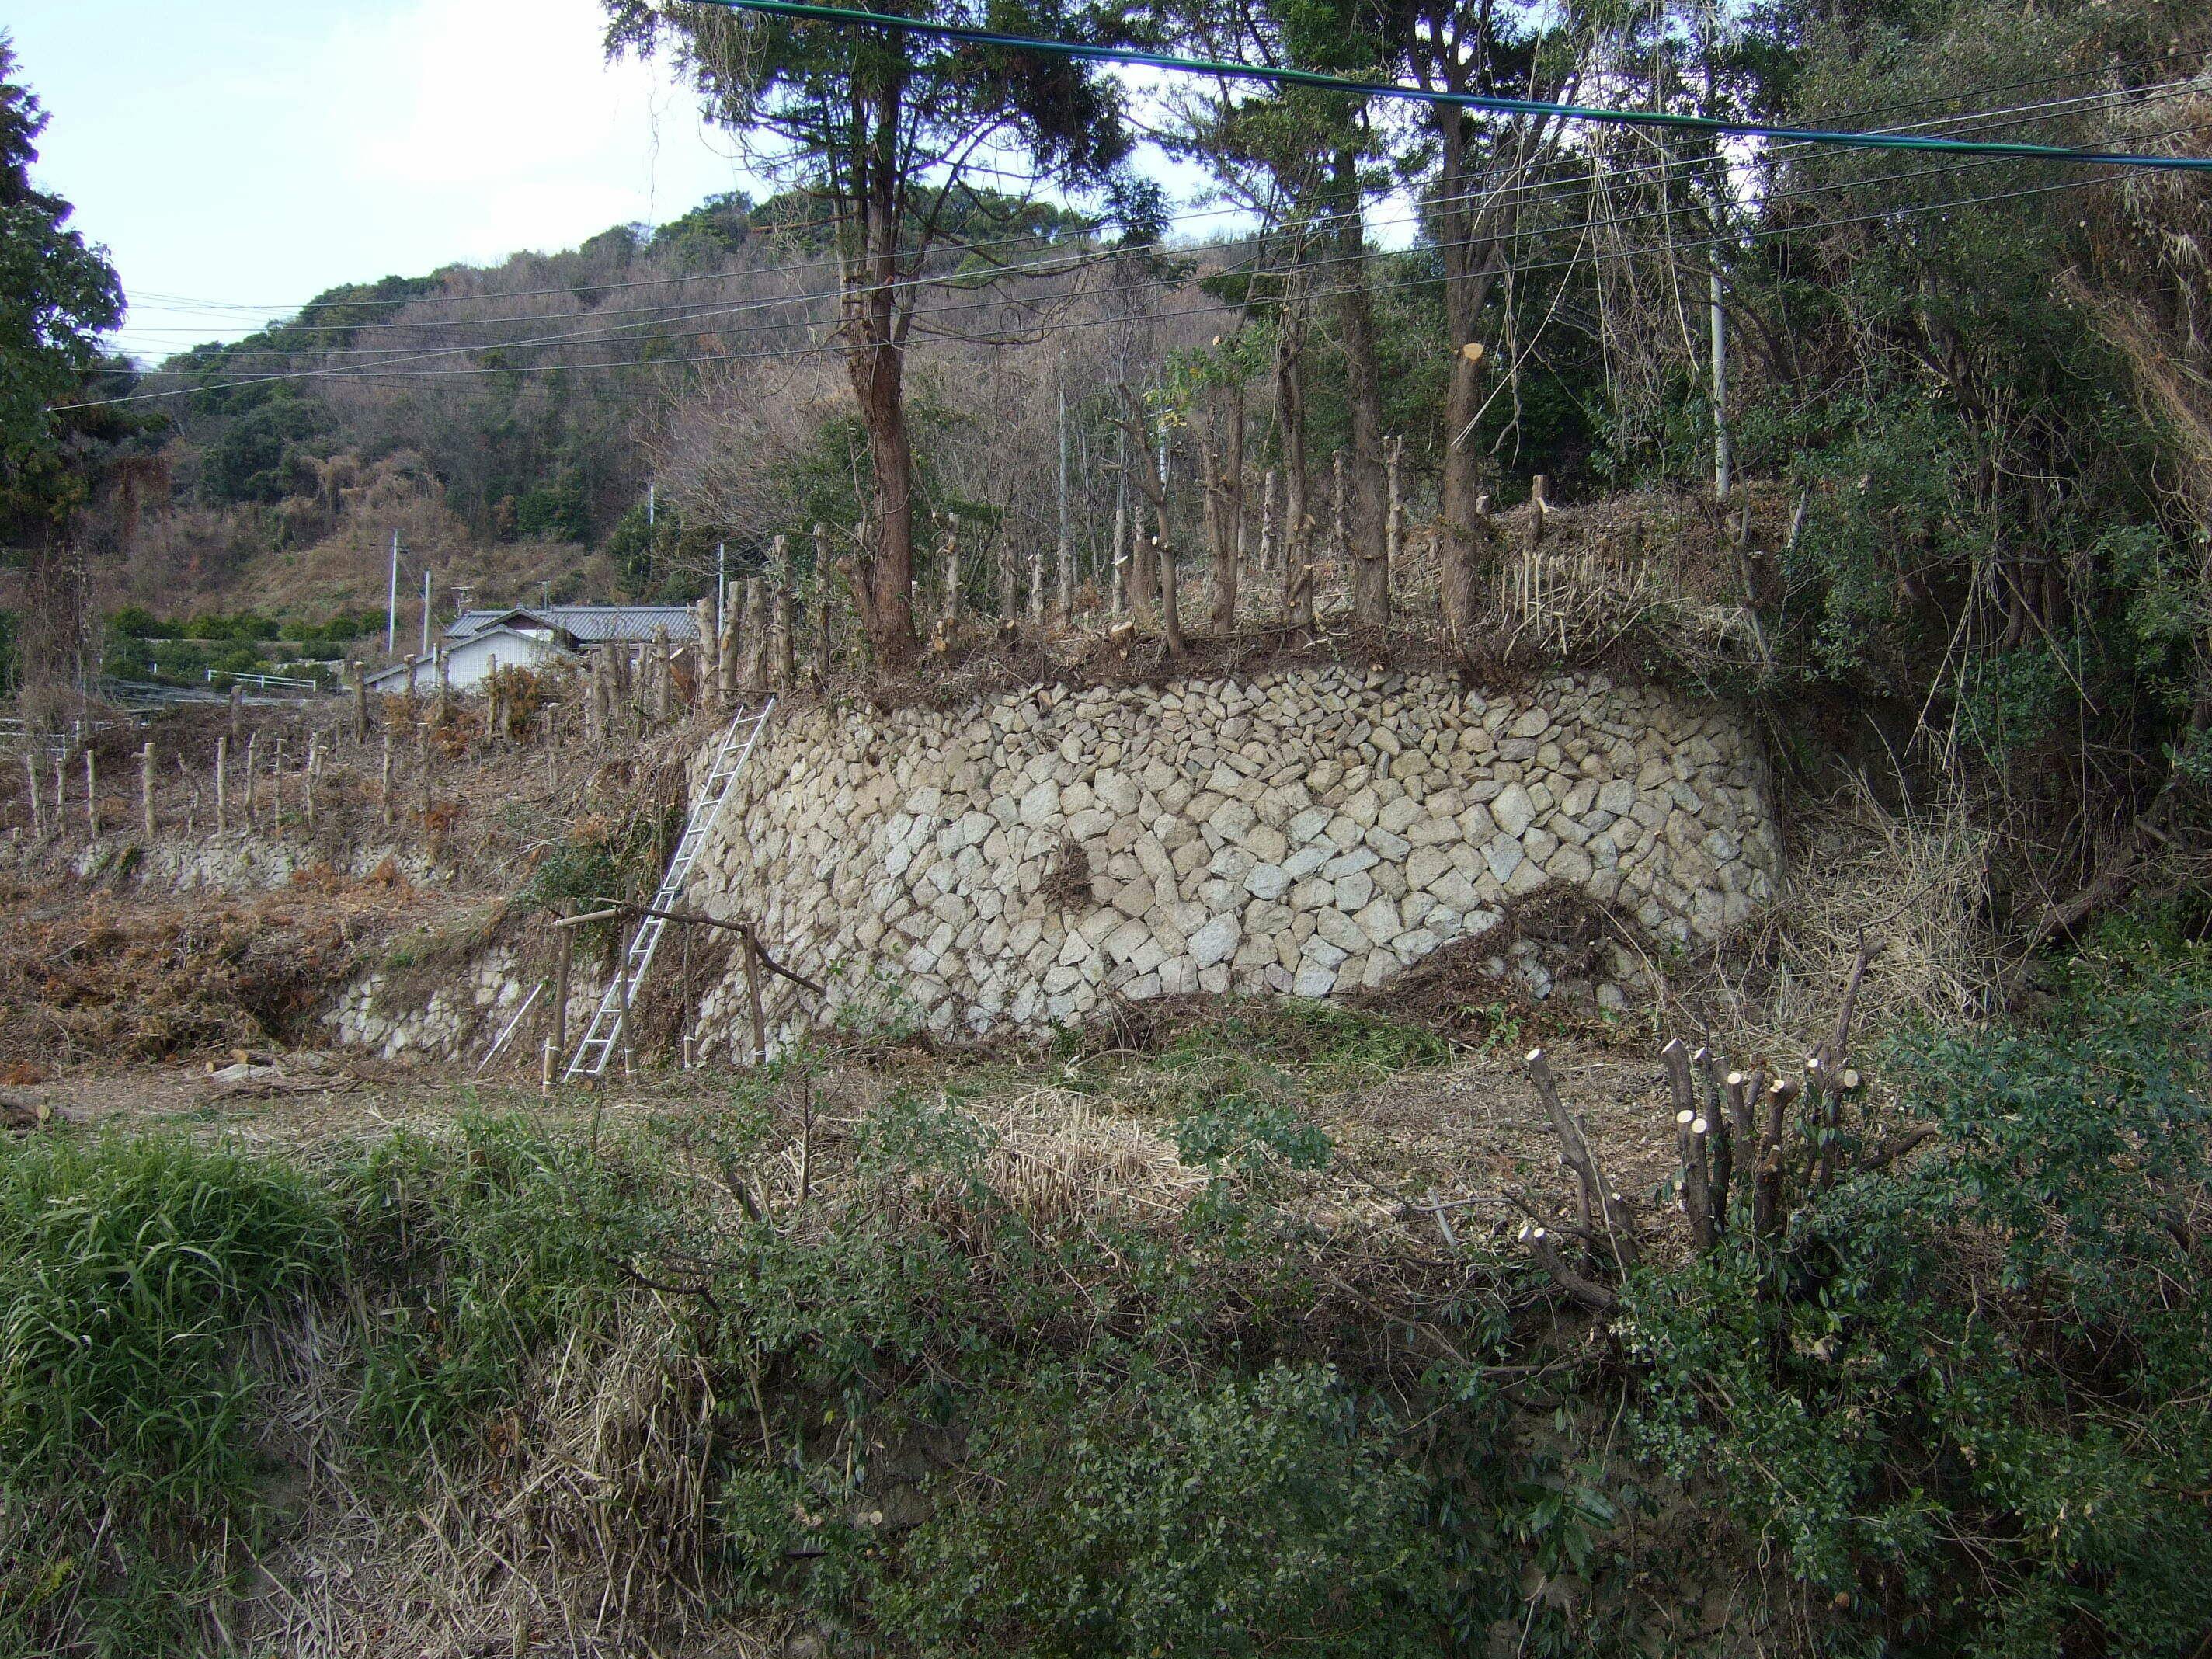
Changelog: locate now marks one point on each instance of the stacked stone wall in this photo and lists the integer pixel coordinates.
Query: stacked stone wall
(1310, 832)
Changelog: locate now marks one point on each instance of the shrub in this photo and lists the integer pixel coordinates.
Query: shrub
(1242, 1515)
(1966, 1397)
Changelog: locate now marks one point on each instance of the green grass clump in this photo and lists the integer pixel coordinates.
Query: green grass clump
(1332, 1046)
(473, 1250)
(130, 1272)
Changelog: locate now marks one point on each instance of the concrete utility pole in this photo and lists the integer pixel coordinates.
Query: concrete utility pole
(392, 601)
(1064, 550)
(1718, 312)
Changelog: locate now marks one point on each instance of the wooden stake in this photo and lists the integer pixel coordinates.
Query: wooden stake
(31, 772)
(621, 988)
(952, 567)
(252, 749)
(1267, 521)
(545, 1067)
(91, 798)
(146, 790)
(561, 988)
(753, 1000)
(822, 659)
(689, 1005)
(786, 655)
(307, 784)
(1394, 530)
(1118, 595)
(384, 784)
(222, 786)
(358, 676)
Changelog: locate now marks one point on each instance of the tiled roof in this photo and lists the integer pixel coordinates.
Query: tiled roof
(590, 624)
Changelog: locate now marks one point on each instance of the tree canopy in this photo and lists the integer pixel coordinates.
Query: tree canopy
(57, 296)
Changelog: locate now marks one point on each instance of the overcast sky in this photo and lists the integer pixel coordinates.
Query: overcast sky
(254, 152)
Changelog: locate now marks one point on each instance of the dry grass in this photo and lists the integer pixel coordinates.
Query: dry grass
(1913, 890)
(577, 1522)
(114, 980)
(1056, 1158)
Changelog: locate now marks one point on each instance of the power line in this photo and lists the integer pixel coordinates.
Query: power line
(1065, 263)
(2010, 115)
(392, 372)
(374, 372)
(804, 11)
(392, 358)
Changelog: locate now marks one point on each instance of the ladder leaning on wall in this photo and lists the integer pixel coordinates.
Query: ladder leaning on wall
(603, 1035)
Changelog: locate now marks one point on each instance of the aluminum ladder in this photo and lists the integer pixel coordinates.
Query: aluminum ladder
(605, 1033)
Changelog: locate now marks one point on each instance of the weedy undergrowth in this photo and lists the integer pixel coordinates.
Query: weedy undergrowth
(131, 1272)
(871, 1377)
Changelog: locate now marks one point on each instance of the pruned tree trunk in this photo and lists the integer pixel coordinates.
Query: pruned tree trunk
(882, 576)
(1240, 505)
(1138, 463)
(1267, 522)
(1355, 322)
(1170, 598)
(1298, 518)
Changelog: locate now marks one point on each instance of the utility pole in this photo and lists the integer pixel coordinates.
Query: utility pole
(721, 582)
(392, 601)
(1064, 560)
(1718, 312)
(426, 612)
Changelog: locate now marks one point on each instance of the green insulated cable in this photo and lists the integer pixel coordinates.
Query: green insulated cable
(849, 16)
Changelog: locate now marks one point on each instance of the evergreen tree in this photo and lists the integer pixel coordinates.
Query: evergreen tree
(887, 130)
(56, 295)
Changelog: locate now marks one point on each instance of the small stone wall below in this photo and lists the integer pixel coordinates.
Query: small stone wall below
(1310, 832)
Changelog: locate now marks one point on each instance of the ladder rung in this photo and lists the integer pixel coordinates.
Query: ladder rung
(592, 1052)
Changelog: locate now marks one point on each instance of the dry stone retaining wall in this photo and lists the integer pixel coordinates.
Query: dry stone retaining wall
(1309, 832)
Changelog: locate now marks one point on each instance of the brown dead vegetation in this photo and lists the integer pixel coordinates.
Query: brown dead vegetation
(106, 979)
